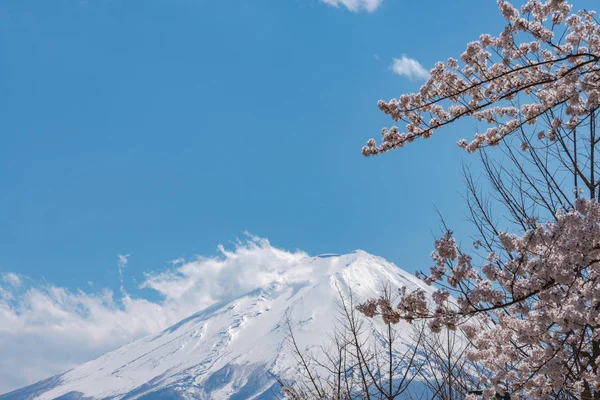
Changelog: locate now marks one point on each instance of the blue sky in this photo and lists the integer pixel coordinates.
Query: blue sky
(162, 128)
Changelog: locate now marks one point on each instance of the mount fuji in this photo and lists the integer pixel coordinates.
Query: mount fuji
(233, 349)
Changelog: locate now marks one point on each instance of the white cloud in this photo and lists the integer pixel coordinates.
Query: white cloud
(355, 5)
(46, 330)
(12, 279)
(123, 260)
(408, 67)
(178, 260)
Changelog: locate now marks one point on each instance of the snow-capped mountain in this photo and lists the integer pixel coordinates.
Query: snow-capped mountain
(229, 350)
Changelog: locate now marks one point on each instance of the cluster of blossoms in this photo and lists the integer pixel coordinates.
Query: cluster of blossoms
(412, 306)
(545, 63)
(539, 304)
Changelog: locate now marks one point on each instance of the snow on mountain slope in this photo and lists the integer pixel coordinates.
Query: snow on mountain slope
(225, 351)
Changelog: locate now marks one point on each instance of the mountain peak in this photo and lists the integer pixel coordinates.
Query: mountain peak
(227, 350)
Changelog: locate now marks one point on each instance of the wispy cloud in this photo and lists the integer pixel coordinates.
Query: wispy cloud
(46, 330)
(409, 67)
(123, 260)
(178, 260)
(356, 5)
(12, 279)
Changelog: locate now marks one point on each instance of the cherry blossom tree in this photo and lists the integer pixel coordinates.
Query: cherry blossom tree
(532, 278)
